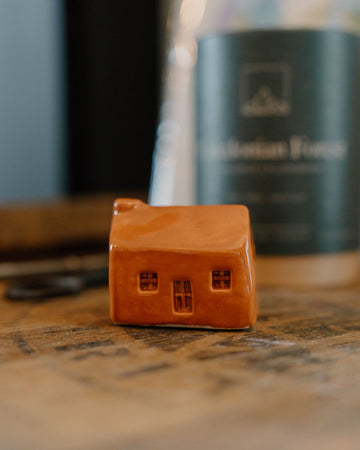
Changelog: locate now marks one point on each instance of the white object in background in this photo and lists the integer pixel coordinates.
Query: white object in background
(173, 173)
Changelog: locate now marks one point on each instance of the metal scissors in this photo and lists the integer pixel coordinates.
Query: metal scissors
(47, 286)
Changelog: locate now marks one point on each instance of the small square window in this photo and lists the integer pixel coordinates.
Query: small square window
(221, 279)
(149, 281)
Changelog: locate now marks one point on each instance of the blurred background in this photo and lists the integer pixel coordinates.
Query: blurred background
(79, 93)
(81, 88)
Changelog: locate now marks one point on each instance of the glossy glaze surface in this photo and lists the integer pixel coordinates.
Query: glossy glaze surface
(182, 266)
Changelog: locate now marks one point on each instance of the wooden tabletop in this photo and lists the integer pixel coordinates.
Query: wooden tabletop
(70, 379)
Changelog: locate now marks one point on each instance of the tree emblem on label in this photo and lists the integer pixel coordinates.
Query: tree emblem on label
(265, 89)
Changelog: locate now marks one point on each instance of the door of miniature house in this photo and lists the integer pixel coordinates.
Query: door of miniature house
(183, 301)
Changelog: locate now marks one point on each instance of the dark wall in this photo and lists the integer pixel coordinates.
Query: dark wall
(112, 93)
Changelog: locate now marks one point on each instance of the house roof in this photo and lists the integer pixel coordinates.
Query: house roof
(137, 225)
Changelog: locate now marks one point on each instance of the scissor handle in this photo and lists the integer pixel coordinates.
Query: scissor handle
(44, 287)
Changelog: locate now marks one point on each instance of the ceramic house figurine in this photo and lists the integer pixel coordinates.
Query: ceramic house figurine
(188, 266)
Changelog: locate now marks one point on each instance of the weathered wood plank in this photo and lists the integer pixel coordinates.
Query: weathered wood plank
(70, 379)
(57, 226)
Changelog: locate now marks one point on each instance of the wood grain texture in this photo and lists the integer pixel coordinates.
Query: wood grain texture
(70, 379)
(56, 226)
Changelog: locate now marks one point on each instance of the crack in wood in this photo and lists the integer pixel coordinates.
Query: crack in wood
(84, 345)
(22, 344)
(123, 351)
(145, 370)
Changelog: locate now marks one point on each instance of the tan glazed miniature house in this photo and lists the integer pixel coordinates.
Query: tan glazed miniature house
(187, 266)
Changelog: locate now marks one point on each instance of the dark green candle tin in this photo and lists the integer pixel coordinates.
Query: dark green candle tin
(278, 129)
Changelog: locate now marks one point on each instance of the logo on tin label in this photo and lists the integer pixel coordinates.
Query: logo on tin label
(265, 89)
